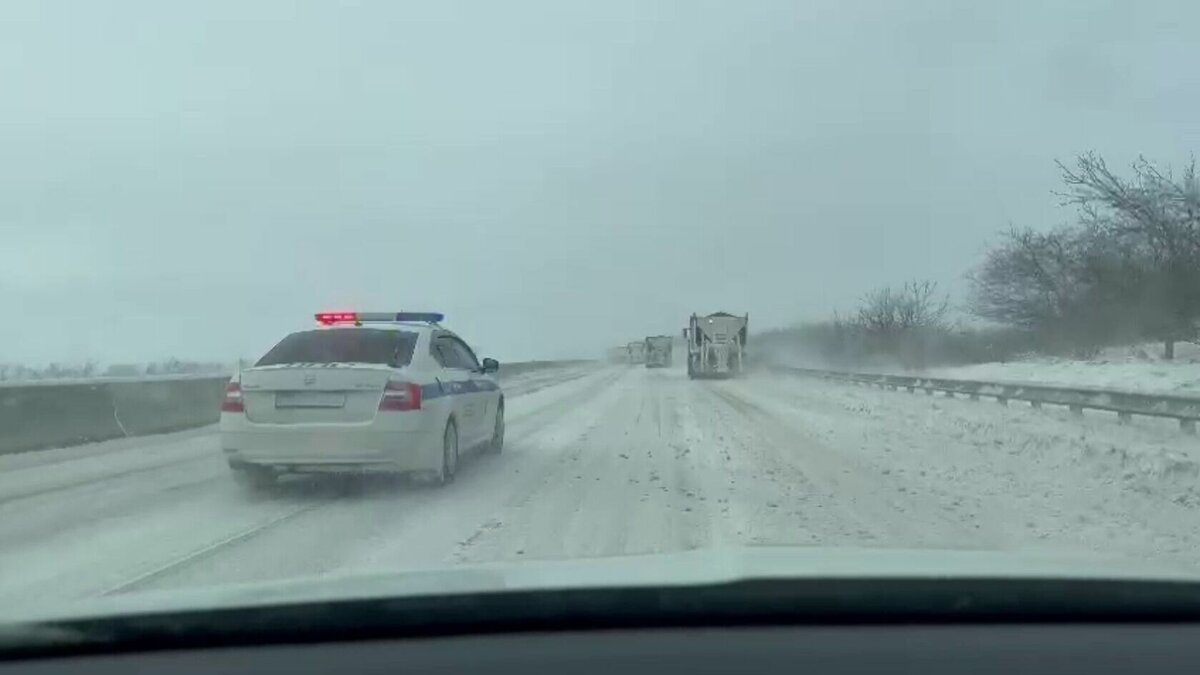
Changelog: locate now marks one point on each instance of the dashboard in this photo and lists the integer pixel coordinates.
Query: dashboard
(1092, 649)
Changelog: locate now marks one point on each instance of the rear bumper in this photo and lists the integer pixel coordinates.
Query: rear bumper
(310, 448)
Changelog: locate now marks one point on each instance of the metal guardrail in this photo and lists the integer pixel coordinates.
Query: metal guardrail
(1125, 403)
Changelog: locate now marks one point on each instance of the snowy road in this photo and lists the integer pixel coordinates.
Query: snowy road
(605, 461)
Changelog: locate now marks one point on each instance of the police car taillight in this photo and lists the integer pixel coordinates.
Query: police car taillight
(400, 396)
(233, 402)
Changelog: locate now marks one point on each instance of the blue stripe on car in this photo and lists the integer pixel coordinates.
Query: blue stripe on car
(435, 390)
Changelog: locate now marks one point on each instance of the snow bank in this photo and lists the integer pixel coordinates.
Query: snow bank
(1133, 368)
(1025, 477)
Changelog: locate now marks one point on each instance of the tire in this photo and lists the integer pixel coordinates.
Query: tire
(445, 474)
(496, 445)
(252, 477)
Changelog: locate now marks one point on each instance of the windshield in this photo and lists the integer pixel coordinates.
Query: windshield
(389, 347)
(908, 283)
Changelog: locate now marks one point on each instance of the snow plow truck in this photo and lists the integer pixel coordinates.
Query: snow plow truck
(637, 352)
(716, 344)
(658, 351)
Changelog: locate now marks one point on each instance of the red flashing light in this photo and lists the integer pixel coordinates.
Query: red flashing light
(233, 402)
(400, 397)
(331, 318)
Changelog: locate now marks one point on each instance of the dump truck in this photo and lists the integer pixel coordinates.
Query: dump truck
(637, 352)
(658, 351)
(716, 344)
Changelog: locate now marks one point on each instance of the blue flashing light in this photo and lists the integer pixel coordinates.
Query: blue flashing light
(421, 317)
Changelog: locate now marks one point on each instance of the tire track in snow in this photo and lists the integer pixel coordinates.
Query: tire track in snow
(641, 480)
(858, 508)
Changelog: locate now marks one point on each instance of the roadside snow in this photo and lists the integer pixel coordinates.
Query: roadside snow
(1017, 477)
(1134, 368)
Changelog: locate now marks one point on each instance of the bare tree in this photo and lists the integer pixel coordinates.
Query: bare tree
(919, 305)
(1069, 289)
(877, 314)
(1154, 217)
(900, 321)
(888, 311)
(1031, 280)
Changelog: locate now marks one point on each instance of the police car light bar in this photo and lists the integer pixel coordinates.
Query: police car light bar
(421, 317)
(334, 318)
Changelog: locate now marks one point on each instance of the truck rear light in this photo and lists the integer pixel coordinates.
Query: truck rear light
(233, 403)
(400, 396)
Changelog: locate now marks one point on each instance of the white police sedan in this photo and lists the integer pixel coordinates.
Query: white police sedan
(362, 392)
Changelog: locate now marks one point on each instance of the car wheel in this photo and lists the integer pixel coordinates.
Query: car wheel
(497, 444)
(449, 454)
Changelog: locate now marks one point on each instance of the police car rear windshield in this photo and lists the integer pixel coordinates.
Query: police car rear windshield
(360, 345)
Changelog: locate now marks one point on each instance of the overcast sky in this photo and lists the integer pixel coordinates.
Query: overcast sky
(195, 179)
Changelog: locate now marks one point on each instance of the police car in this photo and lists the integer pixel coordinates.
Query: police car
(362, 392)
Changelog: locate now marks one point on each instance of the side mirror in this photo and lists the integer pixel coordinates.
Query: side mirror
(491, 365)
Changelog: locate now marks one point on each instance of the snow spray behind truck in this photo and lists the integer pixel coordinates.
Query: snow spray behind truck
(716, 344)
(637, 352)
(658, 351)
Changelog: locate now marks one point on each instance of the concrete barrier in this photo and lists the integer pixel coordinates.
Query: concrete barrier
(157, 407)
(48, 414)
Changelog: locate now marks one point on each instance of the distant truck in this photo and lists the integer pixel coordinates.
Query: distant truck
(636, 352)
(617, 354)
(716, 344)
(658, 351)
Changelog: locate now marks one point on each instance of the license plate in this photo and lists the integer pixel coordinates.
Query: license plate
(309, 399)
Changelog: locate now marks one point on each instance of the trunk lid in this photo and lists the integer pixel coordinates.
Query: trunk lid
(311, 393)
